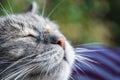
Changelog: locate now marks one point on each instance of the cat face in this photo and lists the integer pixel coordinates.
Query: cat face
(33, 48)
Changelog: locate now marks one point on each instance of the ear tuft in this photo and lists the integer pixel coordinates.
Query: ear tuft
(33, 8)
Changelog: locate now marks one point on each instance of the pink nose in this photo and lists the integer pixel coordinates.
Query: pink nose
(61, 42)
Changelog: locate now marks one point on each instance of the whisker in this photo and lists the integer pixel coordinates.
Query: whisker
(18, 73)
(46, 73)
(5, 12)
(40, 71)
(52, 11)
(27, 64)
(3, 9)
(71, 78)
(23, 76)
(25, 72)
(4, 62)
(84, 58)
(85, 61)
(11, 9)
(16, 63)
(45, 53)
(44, 6)
(24, 65)
(11, 75)
(78, 67)
(84, 50)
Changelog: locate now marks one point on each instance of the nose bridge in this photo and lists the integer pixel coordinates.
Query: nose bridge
(54, 37)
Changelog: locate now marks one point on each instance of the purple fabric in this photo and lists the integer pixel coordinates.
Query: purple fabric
(105, 67)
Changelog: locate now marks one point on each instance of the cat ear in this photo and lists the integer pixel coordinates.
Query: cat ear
(33, 8)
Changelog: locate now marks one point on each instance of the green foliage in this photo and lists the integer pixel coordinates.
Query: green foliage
(82, 21)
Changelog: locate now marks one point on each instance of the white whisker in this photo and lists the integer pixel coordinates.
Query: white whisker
(10, 6)
(85, 61)
(52, 11)
(5, 11)
(44, 6)
(47, 70)
(78, 67)
(71, 78)
(30, 70)
(8, 77)
(16, 63)
(84, 58)
(84, 50)
(17, 74)
(25, 72)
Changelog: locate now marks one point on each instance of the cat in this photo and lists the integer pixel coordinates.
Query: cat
(33, 48)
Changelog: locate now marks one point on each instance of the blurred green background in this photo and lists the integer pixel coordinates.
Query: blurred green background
(81, 21)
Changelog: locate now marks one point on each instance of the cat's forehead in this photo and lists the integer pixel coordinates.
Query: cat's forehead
(29, 19)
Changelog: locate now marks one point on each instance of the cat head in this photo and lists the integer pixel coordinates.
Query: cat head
(33, 48)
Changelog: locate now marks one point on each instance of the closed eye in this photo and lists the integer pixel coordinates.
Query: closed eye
(30, 35)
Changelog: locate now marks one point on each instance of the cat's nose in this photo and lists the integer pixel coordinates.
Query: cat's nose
(61, 42)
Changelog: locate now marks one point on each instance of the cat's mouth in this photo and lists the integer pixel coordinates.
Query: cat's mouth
(65, 58)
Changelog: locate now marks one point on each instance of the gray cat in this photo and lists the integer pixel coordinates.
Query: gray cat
(33, 48)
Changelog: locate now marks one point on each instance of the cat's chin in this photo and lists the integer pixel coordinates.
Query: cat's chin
(62, 74)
